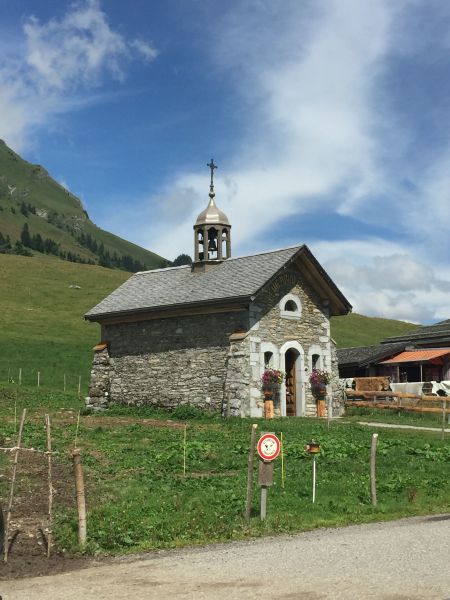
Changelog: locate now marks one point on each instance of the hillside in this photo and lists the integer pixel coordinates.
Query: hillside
(56, 220)
(42, 326)
(41, 318)
(358, 330)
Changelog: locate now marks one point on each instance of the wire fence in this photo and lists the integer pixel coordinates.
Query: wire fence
(46, 378)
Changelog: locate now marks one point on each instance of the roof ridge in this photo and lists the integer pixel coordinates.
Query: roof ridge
(163, 269)
(265, 252)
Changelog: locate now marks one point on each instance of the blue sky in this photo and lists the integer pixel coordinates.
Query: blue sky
(329, 120)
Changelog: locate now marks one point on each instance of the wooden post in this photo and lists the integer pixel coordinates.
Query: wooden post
(184, 449)
(13, 479)
(39, 378)
(263, 502)
(81, 501)
(20, 376)
(444, 406)
(268, 409)
(282, 460)
(373, 479)
(50, 486)
(64, 382)
(251, 459)
(75, 445)
(79, 384)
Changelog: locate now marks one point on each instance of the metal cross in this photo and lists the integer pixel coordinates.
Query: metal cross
(212, 166)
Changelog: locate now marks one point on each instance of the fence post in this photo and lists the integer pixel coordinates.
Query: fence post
(373, 479)
(81, 501)
(444, 406)
(13, 480)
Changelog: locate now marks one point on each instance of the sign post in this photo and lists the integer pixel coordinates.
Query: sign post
(269, 448)
(313, 448)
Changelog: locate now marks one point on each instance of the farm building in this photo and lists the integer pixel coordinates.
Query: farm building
(421, 355)
(203, 334)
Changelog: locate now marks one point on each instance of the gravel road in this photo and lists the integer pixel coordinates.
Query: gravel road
(400, 560)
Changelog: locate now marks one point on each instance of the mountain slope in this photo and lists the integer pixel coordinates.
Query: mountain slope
(358, 330)
(28, 195)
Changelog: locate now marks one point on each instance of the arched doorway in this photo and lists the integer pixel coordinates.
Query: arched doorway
(291, 358)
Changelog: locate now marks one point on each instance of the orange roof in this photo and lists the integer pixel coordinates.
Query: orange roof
(417, 355)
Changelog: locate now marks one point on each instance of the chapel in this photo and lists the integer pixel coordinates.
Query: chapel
(202, 334)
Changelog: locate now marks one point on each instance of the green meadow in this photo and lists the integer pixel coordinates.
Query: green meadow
(41, 318)
(140, 498)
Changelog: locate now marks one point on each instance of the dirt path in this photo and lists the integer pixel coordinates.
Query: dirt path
(407, 559)
(398, 426)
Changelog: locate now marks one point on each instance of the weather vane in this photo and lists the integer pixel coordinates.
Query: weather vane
(212, 166)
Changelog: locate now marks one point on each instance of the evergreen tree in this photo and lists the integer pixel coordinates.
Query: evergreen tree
(24, 209)
(37, 243)
(182, 259)
(25, 236)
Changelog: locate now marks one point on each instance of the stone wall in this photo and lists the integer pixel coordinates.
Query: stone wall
(166, 362)
(99, 388)
(275, 330)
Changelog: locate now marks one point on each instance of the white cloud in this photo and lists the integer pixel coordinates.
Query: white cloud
(57, 67)
(310, 110)
(381, 278)
(311, 79)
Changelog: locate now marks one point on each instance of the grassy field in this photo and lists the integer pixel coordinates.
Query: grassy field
(358, 330)
(138, 497)
(41, 318)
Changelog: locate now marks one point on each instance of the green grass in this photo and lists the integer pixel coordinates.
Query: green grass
(138, 498)
(41, 318)
(357, 413)
(358, 330)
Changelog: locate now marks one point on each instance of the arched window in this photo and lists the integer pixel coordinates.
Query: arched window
(268, 359)
(315, 361)
(290, 307)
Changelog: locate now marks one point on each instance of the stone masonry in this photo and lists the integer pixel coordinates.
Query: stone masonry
(215, 361)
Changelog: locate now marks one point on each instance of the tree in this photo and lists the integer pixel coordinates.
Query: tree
(37, 243)
(182, 259)
(25, 236)
(24, 209)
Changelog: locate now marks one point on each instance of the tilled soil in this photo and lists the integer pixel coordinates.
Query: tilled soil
(29, 522)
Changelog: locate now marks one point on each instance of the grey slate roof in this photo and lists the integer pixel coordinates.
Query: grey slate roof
(427, 334)
(232, 279)
(362, 356)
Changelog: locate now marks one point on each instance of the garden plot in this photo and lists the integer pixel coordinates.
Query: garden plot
(153, 481)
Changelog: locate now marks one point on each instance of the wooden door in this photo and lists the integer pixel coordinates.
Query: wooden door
(291, 388)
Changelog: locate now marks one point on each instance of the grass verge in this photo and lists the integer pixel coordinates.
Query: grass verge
(139, 499)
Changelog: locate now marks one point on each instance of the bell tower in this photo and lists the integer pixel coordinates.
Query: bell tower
(212, 239)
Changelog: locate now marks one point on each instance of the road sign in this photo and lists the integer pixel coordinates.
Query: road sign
(269, 446)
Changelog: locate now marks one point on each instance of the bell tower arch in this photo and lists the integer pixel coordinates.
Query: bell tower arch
(212, 235)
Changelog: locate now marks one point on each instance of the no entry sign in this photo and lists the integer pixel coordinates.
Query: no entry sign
(269, 446)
